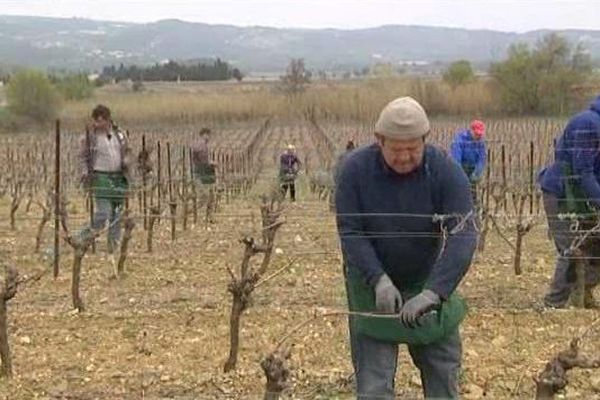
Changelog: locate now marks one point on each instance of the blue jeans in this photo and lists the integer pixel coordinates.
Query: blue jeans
(107, 210)
(563, 281)
(375, 364)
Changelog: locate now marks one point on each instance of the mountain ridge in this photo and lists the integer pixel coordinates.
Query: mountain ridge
(86, 44)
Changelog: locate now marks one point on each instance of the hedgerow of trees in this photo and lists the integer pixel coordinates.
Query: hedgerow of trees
(31, 94)
(170, 71)
(538, 80)
(459, 73)
(73, 86)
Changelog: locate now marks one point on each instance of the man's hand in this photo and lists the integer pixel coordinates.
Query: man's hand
(418, 306)
(90, 125)
(387, 297)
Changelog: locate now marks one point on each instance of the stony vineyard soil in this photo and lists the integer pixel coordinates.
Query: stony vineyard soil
(162, 331)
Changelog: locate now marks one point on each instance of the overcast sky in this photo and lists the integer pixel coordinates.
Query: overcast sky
(505, 15)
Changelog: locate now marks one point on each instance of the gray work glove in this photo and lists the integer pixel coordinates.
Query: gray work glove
(387, 298)
(418, 306)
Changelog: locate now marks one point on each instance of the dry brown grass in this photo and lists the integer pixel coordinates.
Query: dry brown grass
(225, 102)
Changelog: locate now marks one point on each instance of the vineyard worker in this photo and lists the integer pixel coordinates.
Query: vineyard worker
(396, 260)
(468, 149)
(105, 162)
(205, 172)
(350, 146)
(570, 185)
(289, 166)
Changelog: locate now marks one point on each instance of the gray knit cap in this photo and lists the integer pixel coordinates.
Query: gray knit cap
(403, 118)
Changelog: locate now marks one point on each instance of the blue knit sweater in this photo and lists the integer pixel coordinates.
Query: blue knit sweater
(469, 153)
(385, 220)
(578, 148)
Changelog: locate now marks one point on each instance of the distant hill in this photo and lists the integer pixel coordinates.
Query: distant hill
(87, 44)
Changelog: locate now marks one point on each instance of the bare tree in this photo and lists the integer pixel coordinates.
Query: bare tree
(242, 285)
(554, 376)
(296, 77)
(47, 208)
(520, 222)
(277, 370)
(17, 193)
(128, 226)
(8, 290)
(152, 220)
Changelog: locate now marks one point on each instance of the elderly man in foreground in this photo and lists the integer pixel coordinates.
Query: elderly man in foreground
(405, 221)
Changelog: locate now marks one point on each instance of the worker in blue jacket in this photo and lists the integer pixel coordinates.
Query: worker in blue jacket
(468, 149)
(405, 221)
(570, 185)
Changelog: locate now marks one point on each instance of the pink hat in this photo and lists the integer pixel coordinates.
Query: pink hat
(478, 128)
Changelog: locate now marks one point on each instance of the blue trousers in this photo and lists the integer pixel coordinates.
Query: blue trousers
(563, 281)
(107, 211)
(375, 365)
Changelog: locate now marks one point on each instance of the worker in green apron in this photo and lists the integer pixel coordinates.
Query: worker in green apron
(204, 169)
(399, 258)
(570, 185)
(105, 161)
(205, 173)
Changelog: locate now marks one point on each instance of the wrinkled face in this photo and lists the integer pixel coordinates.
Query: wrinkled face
(101, 124)
(402, 156)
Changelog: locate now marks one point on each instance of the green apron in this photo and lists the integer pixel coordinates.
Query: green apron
(287, 177)
(469, 169)
(206, 173)
(435, 327)
(110, 185)
(574, 201)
